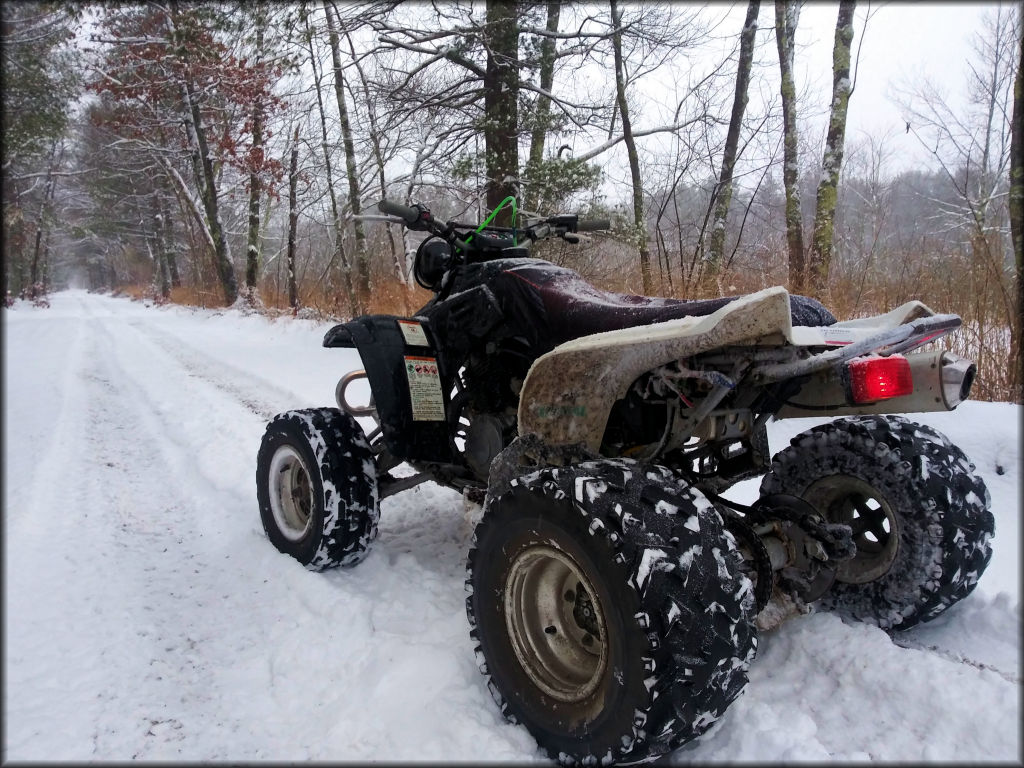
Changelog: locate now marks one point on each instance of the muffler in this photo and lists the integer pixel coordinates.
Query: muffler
(941, 381)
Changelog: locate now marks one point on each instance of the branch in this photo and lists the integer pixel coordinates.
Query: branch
(602, 148)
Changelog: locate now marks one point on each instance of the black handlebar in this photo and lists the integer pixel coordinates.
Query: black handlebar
(419, 218)
(592, 225)
(409, 215)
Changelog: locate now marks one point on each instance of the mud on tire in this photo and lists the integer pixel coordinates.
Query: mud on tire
(621, 554)
(918, 511)
(317, 487)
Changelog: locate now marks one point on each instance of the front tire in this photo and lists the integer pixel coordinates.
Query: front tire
(609, 609)
(317, 487)
(919, 514)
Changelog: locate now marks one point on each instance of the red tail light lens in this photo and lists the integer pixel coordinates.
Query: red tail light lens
(879, 378)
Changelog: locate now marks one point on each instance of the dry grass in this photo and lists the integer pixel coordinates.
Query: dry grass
(982, 302)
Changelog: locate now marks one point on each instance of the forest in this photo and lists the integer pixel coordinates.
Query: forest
(232, 154)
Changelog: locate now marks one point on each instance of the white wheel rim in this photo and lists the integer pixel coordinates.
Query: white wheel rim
(291, 493)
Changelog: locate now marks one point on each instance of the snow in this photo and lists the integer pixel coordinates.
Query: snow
(147, 616)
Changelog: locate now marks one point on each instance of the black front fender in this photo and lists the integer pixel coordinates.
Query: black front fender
(408, 380)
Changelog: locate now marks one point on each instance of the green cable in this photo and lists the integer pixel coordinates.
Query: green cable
(494, 213)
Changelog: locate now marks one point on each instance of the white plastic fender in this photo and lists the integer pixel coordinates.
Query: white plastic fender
(569, 392)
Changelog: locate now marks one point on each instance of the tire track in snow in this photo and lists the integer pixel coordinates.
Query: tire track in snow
(62, 423)
(248, 389)
(124, 653)
(411, 587)
(955, 656)
(153, 539)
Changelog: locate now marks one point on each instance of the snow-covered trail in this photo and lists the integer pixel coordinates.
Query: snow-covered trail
(147, 615)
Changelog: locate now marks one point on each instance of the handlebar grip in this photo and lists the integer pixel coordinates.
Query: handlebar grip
(410, 215)
(591, 225)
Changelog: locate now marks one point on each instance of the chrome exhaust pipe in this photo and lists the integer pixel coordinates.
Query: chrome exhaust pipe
(957, 378)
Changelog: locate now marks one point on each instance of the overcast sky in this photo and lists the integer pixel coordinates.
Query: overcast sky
(902, 41)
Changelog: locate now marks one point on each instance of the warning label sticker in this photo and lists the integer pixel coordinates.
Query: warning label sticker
(424, 388)
(413, 333)
(838, 336)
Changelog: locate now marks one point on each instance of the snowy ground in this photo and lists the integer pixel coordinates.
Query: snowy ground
(147, 616)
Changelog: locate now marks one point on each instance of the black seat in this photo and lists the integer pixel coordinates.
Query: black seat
(575, 308)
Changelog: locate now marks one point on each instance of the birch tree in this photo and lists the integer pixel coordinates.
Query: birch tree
(252, 249)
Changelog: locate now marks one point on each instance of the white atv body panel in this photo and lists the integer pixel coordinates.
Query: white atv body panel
(569, 392)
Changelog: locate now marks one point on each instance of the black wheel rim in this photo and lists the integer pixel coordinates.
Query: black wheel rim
(872, 520)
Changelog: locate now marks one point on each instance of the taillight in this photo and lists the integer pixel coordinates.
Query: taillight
(879, 378)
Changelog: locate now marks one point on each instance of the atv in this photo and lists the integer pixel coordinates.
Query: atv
(615, 595)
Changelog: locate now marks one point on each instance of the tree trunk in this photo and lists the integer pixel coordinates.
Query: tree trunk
(339, 246)
(543, 109)
(824, 216)
(501, 107)
(1016, 194)
(222, 249)
(46, 263)
(362, 261)
(378, 156)
(252, 250)
(206, 177)
(293, 218)
(44, 207)
(787, 15)
(33, 275)
(640, 226)
(167, 234)
(160, 257)
(716, 247)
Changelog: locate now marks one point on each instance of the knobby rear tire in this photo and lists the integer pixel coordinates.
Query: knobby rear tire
(665, 603)
(935, 542)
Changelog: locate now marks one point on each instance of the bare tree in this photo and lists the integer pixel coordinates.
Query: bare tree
(1016, 192)
(787, 16)
(639, 222)
(293, 218)
(716, 245)
(832, 162)
(252, 250)
(361, 259)
(338, 254)
(973, 149)
(542, 105)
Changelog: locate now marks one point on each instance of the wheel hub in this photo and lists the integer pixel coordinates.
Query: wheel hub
(555, 624)
(853, 502)
(291, 495)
